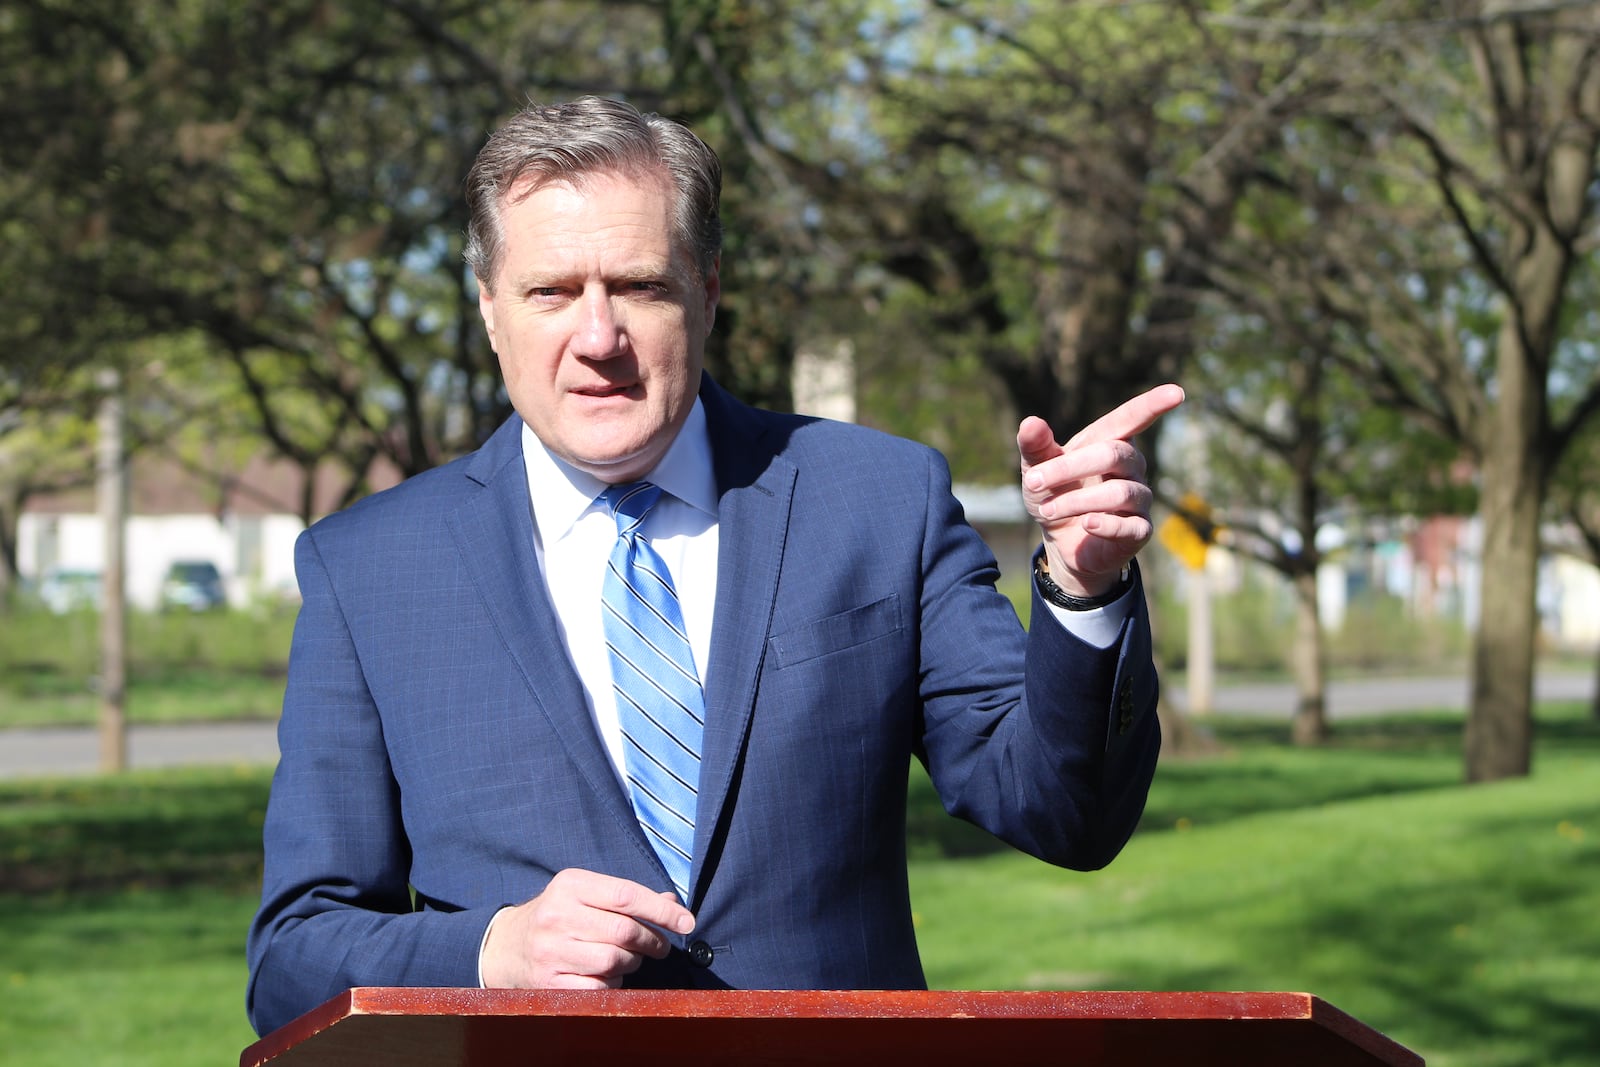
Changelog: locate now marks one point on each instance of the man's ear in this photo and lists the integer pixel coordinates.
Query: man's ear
(486, 309)
(713, 285)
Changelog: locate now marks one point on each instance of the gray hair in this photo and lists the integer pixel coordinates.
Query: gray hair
(590, 135)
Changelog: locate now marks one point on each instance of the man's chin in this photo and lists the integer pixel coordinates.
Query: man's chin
(617, 463)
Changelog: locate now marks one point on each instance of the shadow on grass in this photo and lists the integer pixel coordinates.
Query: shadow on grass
(1466, 958)
(933, 833)
(203, 827)
(1480, 940)
(151, 830)
(1416, 732)
(1256, 769)
(34, 680)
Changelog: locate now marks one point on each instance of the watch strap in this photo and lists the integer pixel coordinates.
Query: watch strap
(1054, 594)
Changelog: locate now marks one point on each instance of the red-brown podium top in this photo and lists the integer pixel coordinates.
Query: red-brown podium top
(473, 1027)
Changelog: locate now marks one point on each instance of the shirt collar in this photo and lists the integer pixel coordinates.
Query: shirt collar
(561, 493)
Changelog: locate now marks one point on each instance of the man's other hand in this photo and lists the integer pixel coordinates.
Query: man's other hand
(585, 931)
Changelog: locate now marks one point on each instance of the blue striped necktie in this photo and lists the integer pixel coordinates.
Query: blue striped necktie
(659, 702)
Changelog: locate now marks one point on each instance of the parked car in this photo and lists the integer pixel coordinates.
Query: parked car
(66, 589)
(193, 585)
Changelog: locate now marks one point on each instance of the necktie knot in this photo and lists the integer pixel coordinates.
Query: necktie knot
(629, 504)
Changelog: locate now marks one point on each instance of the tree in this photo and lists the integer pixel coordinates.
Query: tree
(1485, 152)
(1055, 177)
(1050, 178)
(285, 180)
(1298, 442)
(1574, 495)
(1583, 512)
(1298, 445)
(41, 451)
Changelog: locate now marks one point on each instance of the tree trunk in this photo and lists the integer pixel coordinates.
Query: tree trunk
(112, 499)
(1181, 735)
(1594, 706)
(1499, 733)
(1202, 658)
(1310, 726)
(10, 518)
(1551, 173)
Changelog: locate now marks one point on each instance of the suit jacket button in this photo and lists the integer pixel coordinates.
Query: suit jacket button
(700, 954)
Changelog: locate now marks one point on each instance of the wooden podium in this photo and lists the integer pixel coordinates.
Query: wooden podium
(478, 1027)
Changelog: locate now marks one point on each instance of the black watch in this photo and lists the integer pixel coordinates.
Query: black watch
(1062, 599)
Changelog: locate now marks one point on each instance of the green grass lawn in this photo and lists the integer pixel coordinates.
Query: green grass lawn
(123, 905)
(201, 696)
(225, 665)
(1460, 921)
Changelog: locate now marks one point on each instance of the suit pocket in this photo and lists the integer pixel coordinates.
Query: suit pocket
(848, 629)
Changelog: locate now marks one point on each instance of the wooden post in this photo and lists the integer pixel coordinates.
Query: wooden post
(111, 491)
(1202, 643)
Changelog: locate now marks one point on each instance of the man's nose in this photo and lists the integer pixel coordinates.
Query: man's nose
(599, 333)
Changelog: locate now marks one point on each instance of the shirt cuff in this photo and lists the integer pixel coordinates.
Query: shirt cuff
(1097, 626)
(484, 943)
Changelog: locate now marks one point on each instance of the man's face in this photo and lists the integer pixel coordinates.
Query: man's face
(599, 321)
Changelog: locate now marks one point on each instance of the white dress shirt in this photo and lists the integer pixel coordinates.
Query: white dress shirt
(573, 537)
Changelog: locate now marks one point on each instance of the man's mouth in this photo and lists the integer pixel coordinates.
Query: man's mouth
(604, 391)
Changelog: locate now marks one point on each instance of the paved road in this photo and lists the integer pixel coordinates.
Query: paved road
(68, 751)
(1363, 696)
(26, 753)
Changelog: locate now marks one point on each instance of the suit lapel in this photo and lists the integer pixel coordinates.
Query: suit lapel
(755, 487)
(494, 531)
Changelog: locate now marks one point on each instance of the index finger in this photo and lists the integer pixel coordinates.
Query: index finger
(1132, 417)
(624, 897)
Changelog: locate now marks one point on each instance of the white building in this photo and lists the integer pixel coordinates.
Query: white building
(244, 523)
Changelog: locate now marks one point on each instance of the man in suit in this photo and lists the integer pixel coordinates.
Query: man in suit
(458, 800)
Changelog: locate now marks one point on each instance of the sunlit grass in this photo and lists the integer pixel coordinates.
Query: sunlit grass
(123, 905)
(136, 977)
(1459, 920)
(201, 697)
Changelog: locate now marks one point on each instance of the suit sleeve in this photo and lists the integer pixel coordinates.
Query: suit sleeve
(336, 905)
(1044, 740)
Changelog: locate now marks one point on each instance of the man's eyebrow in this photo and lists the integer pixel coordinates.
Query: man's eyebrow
(535, 277)
(643, 272)
(667, 272)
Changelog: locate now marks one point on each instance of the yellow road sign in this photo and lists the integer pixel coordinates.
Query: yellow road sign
(1188, 532)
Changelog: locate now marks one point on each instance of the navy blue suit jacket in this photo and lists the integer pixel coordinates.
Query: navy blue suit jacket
(439, 760)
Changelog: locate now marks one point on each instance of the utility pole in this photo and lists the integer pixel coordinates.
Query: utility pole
(1202, 677)
(1202, 627)
(112, 497)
